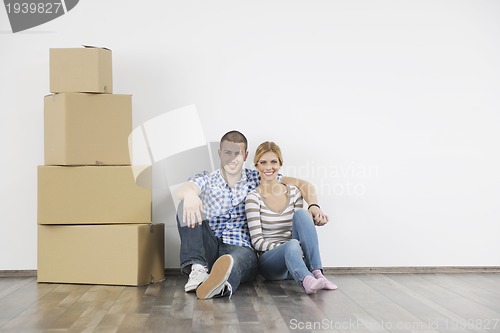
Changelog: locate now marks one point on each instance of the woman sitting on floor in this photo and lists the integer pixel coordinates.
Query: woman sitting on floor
(283, 234)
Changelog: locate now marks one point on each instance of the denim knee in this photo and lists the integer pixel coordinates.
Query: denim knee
(302, 215)
(293, 248)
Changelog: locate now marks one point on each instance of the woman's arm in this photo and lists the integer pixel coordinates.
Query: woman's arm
(307, 189)
(309, 193)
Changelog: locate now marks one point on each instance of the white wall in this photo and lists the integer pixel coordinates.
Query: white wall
(390, 108)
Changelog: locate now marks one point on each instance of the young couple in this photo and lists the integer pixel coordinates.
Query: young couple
(217, 243)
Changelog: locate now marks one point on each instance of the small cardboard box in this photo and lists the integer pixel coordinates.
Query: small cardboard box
(130, 254)
(87, 69)
(87, 129)
(94, 194)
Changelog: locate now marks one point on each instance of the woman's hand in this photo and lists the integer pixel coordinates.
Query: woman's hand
(318, 216)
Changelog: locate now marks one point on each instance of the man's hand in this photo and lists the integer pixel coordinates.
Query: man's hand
(193, 208)
(318, 216)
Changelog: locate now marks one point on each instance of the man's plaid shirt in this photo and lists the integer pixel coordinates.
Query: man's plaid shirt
(224, 207)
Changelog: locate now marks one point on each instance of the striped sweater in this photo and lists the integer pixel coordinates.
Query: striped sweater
(270, 228)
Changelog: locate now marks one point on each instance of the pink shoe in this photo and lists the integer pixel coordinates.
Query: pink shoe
(312, 285)
(329, 285)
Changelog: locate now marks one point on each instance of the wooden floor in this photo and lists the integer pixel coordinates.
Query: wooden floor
(467, 302)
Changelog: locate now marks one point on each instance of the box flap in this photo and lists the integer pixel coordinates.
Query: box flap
(95, 47)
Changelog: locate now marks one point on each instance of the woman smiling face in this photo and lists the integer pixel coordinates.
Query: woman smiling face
(268, 166)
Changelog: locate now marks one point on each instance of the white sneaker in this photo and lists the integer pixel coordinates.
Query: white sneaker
(216, 284)
(197, 276)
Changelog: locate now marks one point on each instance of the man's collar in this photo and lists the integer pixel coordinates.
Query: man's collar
(222, 182)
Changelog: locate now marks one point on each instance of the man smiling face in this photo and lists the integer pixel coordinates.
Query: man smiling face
(232, 156)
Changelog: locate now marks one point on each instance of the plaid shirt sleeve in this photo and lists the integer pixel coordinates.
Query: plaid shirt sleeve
(201, 179)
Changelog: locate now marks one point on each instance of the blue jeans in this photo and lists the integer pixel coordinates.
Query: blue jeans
(297, 257)
(200, 246)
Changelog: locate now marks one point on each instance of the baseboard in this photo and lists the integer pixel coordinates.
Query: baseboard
(173, 272)
(17, 273)
(392, 270)
(330, 270)
(412, 270)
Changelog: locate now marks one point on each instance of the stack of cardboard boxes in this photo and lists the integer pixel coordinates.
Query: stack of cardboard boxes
(94, 220)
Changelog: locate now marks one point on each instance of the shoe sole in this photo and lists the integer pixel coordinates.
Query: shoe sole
(218, 276)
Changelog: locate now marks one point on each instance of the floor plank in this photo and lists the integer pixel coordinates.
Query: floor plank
(8, 286)
(469, 314)
(51, 307)
(486, 281)
(433, 314)
(473, 293)
(388, 315)
(463, 302)
(16, 302)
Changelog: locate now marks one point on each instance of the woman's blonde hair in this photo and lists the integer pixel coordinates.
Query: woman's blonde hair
(265, 147)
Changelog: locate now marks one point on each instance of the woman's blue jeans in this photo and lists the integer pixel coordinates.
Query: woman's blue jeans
(297, 257)
(200, 246)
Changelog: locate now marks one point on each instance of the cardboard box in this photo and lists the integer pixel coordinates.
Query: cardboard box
(93, 195)
(101, 254)
(87, 69)
(87, 129)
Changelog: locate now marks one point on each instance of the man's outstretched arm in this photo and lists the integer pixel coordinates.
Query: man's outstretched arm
(309, 193)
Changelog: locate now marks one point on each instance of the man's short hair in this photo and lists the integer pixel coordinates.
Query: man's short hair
(235, 137)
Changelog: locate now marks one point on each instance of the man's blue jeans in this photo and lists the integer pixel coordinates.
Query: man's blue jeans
(200, 246)
(297, 257)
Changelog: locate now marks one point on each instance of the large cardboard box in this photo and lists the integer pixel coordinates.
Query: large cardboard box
(87, 69)
(94, 195)
(87, 129)
(130, 254)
